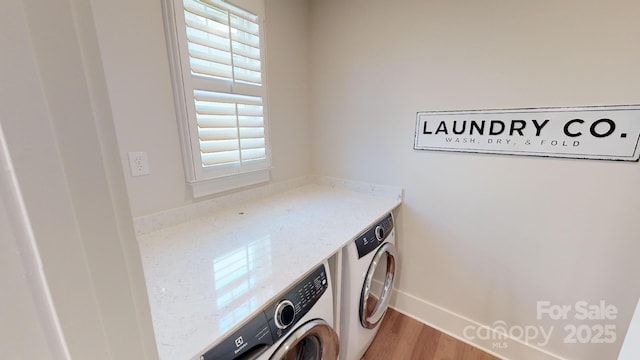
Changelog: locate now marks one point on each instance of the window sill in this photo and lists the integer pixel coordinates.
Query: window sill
(227, 183)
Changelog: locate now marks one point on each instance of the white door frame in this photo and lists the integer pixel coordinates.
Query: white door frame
(60, 138)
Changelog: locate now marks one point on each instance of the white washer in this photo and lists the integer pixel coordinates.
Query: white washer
(298, 325)
(369, 264)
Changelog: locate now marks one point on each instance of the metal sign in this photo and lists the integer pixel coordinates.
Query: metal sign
(602, 132)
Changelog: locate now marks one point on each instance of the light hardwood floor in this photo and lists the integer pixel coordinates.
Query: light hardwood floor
(403, 338)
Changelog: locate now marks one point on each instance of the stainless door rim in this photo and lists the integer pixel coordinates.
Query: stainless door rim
(329, 342)
(370, 321)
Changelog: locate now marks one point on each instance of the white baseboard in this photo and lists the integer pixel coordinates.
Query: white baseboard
(454, 324)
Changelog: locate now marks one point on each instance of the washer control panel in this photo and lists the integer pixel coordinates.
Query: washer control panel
(267, 327)
(374, 236)
(253, 338)
(294, 304)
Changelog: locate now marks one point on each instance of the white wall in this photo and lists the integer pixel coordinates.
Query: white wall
(287, 76)
(484, 237)
(134, 55)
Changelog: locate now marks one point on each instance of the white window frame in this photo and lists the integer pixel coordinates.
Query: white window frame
(203, 180)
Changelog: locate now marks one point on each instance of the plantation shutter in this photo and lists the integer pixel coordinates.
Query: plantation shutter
(227, 122)
(223, 41)
(230, 127)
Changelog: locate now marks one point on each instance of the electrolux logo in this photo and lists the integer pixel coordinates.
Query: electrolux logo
(240, 344)
(239, 341)
(610, 133)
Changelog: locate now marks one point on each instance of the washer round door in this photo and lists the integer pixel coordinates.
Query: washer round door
(315, 340)
(378, 283)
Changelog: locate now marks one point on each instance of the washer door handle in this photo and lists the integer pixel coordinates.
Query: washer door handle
(367, 320)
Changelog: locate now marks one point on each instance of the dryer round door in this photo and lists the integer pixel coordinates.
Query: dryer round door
(315, 340)
(378, 283)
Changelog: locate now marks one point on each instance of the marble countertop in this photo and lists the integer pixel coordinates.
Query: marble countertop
(206, 275)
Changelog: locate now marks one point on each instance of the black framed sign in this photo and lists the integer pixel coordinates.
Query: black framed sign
(596, 132)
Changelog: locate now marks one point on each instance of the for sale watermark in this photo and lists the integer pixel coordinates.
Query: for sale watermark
(595, 327)
(578, 323)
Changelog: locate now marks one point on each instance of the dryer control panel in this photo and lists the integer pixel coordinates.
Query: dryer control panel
(266, 328)
(374, 236)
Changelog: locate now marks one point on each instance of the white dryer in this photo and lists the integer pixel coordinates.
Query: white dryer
(368, 273)
(298, 325)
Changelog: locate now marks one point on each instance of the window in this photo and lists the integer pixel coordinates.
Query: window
(217, 61)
